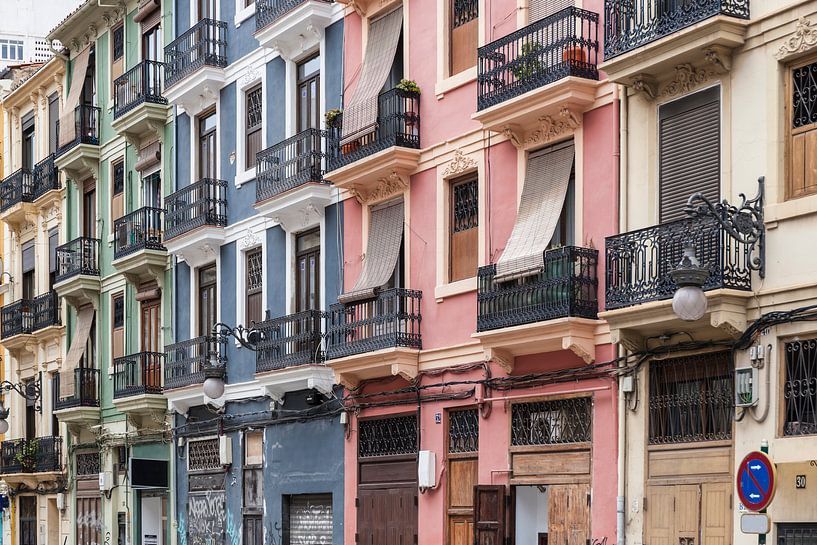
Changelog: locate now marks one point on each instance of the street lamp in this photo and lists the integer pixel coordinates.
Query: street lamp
(31, 390)
(743, 223)
(214, 374)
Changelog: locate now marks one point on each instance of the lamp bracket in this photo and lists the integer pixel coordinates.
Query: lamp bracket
(31, 390)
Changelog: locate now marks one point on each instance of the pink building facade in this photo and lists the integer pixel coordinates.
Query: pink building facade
(483, 403)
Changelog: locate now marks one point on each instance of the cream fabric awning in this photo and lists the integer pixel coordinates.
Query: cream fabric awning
(543, 196)
(382, 252)
(360, 114)
(149, 156)
(68, 129)
(85, 318)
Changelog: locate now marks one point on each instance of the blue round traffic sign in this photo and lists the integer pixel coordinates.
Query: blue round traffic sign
(756, 481)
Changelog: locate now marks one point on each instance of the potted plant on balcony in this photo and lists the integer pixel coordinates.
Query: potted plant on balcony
(527, 64)
(410, 87)
(27, 455)
(574, 54)
(331, 118)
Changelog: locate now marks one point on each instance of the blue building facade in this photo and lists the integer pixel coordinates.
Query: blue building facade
(255, 235)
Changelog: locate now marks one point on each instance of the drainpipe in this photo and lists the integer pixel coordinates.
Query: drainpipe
(621, 95)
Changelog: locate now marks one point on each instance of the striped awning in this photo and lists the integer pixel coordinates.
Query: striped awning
(68, 129)
(382, 251)
(360, 114)
(543, 196)
(85, 319)
(149, 156)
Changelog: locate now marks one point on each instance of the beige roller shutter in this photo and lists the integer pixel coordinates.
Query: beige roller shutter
(539, 9)
(68, 129)
(85, 318)
(149, 156)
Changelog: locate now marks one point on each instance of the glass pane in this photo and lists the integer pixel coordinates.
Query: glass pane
(307, 241)
(307, 68)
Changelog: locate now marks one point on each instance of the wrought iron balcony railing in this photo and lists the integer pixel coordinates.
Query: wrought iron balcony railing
(390, 320)
(86, 389)
(16, 188)
(138, 374)
(566, 287)
(139, 230)
(86, 123)
(204, 44)
(289, 164)
(46, 177)
(186, 362)
(398, 124)
(639, 262)
(629, 24)
(561, 45)
(78, 257)
(17, 319)
(289, 341)
(198, 204)
(139, 85)
(46, 310)
(269, 11)
(31, 455)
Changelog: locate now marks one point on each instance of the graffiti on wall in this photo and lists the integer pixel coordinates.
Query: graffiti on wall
(233, 534)
(205, 514)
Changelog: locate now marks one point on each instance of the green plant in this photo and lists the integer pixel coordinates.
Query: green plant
(27, 454)
(528, 63)
(408, 86)
(331, 116)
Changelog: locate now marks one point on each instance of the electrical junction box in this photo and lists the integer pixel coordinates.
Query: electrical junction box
(225, 450)
(105, 481)
(747, 382)
(627, 384)
(61, 501)
(426, 469)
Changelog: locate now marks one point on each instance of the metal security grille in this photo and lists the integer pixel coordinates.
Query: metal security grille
(804, 95)
(87, 463)
(203, 455)
(797, 534)
(464, 11)
(255, 275)
(118, 177)
(552, 422)
(691, 399)
(308, 520)
(465, 206)
(254, 108)
(463, 431)
(118, 42)
(800, 388)
(388, 436)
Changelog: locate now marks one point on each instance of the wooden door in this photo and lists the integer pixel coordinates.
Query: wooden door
(660, 513)
(89, 210)
(568, 514)
(687, 514)
(207, 9)
(387, 516)
(207, 300)
(462, 477)
(151, 325)
(716, 513)
(489, 515)
(308, 271)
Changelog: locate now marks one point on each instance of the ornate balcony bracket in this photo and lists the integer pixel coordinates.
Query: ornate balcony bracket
(744, 223)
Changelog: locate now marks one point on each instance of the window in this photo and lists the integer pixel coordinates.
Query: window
(208, 306)
(117, 51)
(29, 276)
(11, 50)
(88, 358)
(118, 325)
(89, 209)
(463, 35)
(207, 9)
(307, 518)
(152, 44)
(152, 190)
(308, 270)
(254, 118)
(53, 116)
(29, 144)
(28, 520)
(392, 436)
(254, 286)
(203, 455)
(691, 399)
(309, 100)
(800, 397)
(117, 190)
(802, 130)
(462, 471)
(53, 242)
(552, 422)
(207, 146)
(463, 228)
(253, 503)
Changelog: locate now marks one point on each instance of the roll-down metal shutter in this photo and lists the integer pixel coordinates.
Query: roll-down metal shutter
(310, 519)
(689, 151)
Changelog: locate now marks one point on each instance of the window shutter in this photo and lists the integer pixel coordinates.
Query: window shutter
(464, 219)
(689, 151)
(53, 242)
(802, 177)
(310, 518)
(53, 115)
(28, 256)
(464, 30)
(489, 514)
(539, 9)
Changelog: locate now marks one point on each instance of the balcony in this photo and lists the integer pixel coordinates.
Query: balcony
(79, 157)
(137, 385)
(639, 288)
(291, 26)
(138, 250)
(544, 74)
(139, 109)
(290, 355)
(380, 161)
(16, 198)
(194, 65)
(378, 337)
(31, 461)
(47, 317)
(78, 280)
(195, 217)
(187, 363)
(46, 183)
(17, 324)
(80, 408)
(646, 40)
(290, 178)
(551, 311)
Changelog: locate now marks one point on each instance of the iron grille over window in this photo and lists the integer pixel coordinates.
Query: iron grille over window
(88, 464)
(463, 431)
(465, 206)
(552, 422)
(118, 311)
(464, 11)
(202, 455)
(254, 120)
(118, 42)
(691, 399)
(800, 388)
(388, 436)
(255, 277)
(118, 177)
(804, 95)
(797, 534)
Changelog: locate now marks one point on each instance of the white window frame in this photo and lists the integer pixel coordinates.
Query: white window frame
(243, 13)
(194, 141)
(292, 262)
(194, 10)
(144, 174)
(242, 173)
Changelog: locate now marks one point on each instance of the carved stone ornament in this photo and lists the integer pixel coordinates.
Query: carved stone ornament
(459, 164)
(551, 128)
(252, 74)
(803, 39)
(387, 187)
(646, 85)
(249, 240)
(687, 78)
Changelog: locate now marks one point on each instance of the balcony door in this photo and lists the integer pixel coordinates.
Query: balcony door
(207, 149)
(308, 271)
(31, 415)
(28, 151)
(207, 9)
(309, 97)
(89, 209)
(151, 320)
(208, 307)
(28, 520)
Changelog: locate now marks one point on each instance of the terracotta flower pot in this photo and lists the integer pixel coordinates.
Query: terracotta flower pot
(575, 54)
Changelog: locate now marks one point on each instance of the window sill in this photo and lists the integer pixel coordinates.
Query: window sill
(790, 209)
(455, 288)
(457, 80)
(242, 178)
(243, 14)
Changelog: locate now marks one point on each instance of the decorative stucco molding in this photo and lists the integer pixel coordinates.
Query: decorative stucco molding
(804, 39)
(687, 78)
(646, 85)
(390, 186)
(249, 240)
(459, 164)
(551, 128)
(251, 75)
